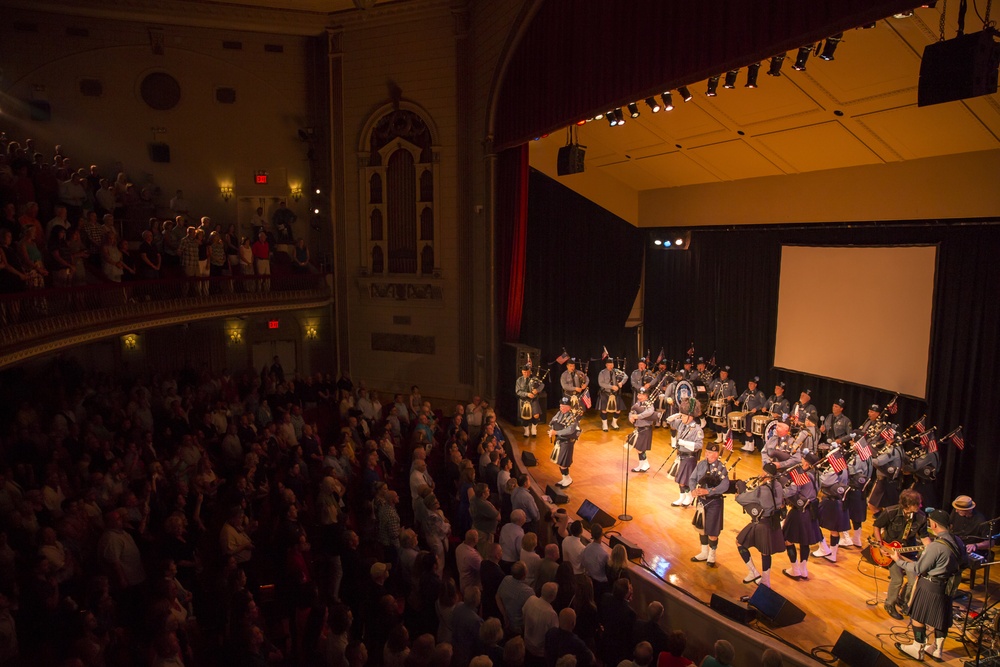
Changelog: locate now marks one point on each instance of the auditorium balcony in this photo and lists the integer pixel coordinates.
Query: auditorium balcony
(42, 321)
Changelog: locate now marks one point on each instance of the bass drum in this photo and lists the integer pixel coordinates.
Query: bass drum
(717, 411)
(758, 423)
(685, 399)
(770, 429)
(737, 421)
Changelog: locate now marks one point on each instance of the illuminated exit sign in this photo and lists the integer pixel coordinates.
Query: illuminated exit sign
(260, 178)
(272, 324)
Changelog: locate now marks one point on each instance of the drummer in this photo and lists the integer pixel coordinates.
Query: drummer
(804, 408)
(723, 389)
(837, 427)
(778, 404)
(751, 403)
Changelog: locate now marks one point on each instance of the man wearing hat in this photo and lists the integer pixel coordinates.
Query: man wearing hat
(565, 426)
(778, 404)
(698, 375)
(609, 400)
(531, 406)
(689, 441)
(751, 402)
(712, 482)
(801, 527)
(803, 408)
(969, 525)
(778, 449)
(725, 388)
(869, 425)
(808, 436)
(641, 378)
(906, 524)
(934, 571)
(837, 427)
(763, 533)
(833, 514)
(642, 416)
(573, 382)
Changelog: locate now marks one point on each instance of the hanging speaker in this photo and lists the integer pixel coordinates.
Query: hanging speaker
(570, 160)
(854, 652)
(775, 609)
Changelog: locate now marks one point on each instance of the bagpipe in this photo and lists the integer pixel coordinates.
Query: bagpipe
(618, 377)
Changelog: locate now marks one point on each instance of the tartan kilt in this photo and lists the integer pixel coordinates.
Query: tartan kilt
(857, 506)
(685, 467)
(930, 605)
(562, 453)
(644, 439)
(712, 515)
(833, 515)
(800, 527)
(604, 398)
(764, 535)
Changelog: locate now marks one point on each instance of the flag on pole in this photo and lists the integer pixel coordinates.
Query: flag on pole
(957, 439)
(659, 357)
(562, 358)
(799, 478)
(931, 444)
(892, 407)
(864, 451)
(604, 354)
(690, 351)
(837, 462)
(888, 433)
(728, 440)
(920, 425)
(585, 398)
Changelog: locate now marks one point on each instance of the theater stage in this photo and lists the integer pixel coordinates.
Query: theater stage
(838, 596)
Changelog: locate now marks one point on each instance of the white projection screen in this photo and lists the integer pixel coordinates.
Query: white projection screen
(857, 314)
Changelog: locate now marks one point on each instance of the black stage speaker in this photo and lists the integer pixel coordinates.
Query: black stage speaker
(570, 160)
(775, 609)
(732, 610)
(855, 653)
(591, 513)
(632, 550)
(159, 152)
(528, 459)
(557, 495)
(958, 68)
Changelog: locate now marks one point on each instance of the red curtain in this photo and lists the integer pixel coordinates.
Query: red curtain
(511, 238)
(582, 57)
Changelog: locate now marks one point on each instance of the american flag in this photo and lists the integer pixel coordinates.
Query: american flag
(931, 444)
(691, 350)
(892, 407)
(837, 462)
(585, 399)
(728, 440)
(659, 357)
(920, 425)
(562, 358)
(957, 439)
(864, 451)
(799, 478)
(888, 433)
(604, 355)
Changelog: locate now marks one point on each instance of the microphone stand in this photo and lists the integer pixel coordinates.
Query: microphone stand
(629, 441)
(986, 598)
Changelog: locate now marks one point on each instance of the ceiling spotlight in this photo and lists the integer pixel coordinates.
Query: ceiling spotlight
(831, 46)
(752, 71)
(685, 94)
(666, 244)
(802, 57)
(657, 242)
(776, 63)
(653, 105)
(668, 101)
(731, 78)
(679, 242)
(612, 121)
(713, 86)
(633, 109)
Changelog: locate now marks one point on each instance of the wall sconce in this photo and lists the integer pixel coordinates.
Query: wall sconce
(227, 192)
(235, 337)
(311, 333)
(131, 341)
(297, 193)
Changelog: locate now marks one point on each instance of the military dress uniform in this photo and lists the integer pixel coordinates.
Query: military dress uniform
(642, 415)
(807, 439)
(530, 405)
(778, 450)
(641, 379)
(609, 400)
(802, 410)
(763, 533)
(690, 439)
(800, 527)
(858, 473)
(726, 390)
(752, 402)
(888, 470)
(566, 426)
(833, 515)
(837, 428)
(573, 383)
(714, 478)
(777, 405)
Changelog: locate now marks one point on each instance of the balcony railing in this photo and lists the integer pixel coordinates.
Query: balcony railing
(40, 318)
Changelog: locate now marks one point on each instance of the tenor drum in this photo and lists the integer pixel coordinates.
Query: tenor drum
(717, 411)
(758, 424)
(737, 421)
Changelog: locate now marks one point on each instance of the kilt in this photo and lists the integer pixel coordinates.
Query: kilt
(885, 493)
(857, 506)
(930, 605)
(763, 535)
(562, 453)
(833, 515)
(800, 527)
(604, 397)
(685, 466)
(711, 507)
(534, 408)
(643, 438)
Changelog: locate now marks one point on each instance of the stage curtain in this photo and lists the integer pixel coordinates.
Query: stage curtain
(582, 57)
(722, 295)
(584, 266)
(511, 238)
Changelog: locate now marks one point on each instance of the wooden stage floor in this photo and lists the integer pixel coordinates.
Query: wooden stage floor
(838, 596)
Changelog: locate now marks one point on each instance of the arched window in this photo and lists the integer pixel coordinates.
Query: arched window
(378, 262)
(376, 225)
(427, 224)
(401, 209)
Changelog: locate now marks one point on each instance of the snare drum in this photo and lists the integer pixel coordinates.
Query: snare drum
(737, 421)
(717, 411)
(758, 424)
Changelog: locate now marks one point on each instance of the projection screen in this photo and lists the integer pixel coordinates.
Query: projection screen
(861, 315)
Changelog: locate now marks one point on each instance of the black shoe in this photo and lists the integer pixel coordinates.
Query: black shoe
(903, 609)
(891, 610)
